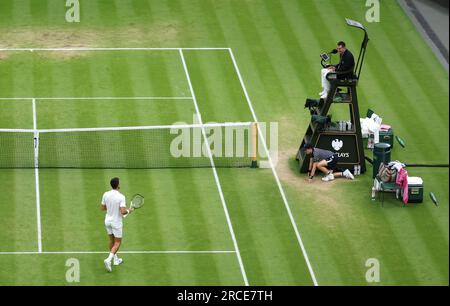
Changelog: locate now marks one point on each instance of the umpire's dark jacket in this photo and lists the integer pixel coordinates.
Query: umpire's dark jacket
(346, 65)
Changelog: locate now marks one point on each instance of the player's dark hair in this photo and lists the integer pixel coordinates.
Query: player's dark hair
(114, 182)
(341, 43)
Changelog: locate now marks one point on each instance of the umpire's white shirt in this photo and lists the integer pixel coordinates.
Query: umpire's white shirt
(113, 200)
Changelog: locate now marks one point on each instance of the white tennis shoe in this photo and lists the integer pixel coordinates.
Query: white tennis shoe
(117, 261)
(328, 178)
(108, 265)
(348, 174)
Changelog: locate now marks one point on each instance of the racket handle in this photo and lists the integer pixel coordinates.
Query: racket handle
(129, 212)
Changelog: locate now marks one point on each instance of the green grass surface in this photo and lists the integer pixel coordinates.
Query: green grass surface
(53, 114)
(276, 44)
(16, 115)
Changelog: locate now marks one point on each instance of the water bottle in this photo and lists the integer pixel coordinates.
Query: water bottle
(349, 125)
(355, 170)
(370, 141)
(373, 193)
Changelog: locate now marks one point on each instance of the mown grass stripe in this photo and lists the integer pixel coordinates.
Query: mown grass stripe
(296, 51)
(143, 9)
(170, 77)
(7, 83)
(194, 225)
(417, 94)
(106, 11)
(433, 83)
(432, 238)
(207, 10)
(260, 59)
(84, 179)
(21, 13)
(157, 211)
(39, 11)
(17, 217)
(154, 224)
(279, 263)
(178, 229)
(252, 249)
(177, 12)
(6, 12)
(407, 33)
(216, 89)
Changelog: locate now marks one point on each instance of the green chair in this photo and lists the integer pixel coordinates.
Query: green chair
(390, 187)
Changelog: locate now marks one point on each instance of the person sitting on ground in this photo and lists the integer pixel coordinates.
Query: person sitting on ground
(344, 69)
(326, 161)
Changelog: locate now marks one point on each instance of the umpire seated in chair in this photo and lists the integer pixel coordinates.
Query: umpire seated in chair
(343, 70)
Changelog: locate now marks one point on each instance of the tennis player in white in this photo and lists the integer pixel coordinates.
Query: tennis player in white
(113, 202)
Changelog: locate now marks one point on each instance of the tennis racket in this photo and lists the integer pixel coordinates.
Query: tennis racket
(434, 199)
(400, 141)
(136, 202)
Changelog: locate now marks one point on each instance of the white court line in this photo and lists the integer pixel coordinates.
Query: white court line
(110, 49)
(216, 177)
(280, 187)
(18, 130)
(121, 252)
(36, 175)
(131, 128)
(99, 98)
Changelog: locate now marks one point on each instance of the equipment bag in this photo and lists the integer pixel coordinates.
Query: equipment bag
(387, 174)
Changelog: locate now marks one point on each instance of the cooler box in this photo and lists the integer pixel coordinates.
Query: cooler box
(415, 189)
(387, 137)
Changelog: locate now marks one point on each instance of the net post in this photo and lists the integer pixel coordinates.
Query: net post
(36, 149)
(36, 135)
(254, 131)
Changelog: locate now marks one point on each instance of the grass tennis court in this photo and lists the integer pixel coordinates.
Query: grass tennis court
(240, 226)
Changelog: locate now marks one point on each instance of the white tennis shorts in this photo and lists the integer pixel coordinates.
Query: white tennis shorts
(114, 228)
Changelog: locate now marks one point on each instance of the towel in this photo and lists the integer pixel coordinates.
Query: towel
(396, 165)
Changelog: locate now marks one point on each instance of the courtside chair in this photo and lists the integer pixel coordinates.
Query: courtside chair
(390, 187)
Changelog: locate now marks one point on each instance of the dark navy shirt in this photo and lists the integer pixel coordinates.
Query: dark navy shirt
(320, 154)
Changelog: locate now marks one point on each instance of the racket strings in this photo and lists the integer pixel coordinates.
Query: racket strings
(137, 201)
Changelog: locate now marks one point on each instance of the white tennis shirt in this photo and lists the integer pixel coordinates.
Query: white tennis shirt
(113, 200)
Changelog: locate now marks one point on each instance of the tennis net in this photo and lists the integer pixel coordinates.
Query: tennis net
(171, 146)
